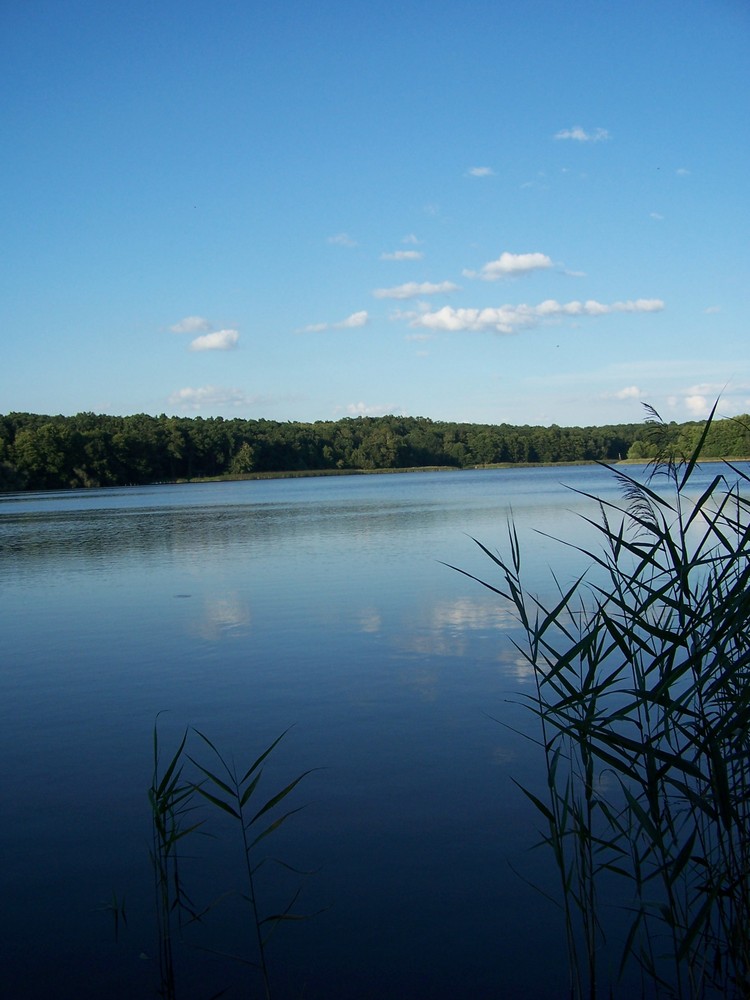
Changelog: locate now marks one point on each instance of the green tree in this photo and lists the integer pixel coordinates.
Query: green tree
(47, 456)
(244, 461)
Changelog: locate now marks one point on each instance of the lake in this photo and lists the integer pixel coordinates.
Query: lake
(243, 609)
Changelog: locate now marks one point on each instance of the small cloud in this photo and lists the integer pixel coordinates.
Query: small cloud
(191, 324)
(509, 319)
(711, 310)
(410, 238)
(480, 172)
(197, 397)
(342, 240)
(698, 405)
(698, 399)
(412, 289)
(510, 265)
(714, 389)
(432, 209)
(367, 410)
(403, 255)
(418, 337)
(219, 340)
(629, 392)
(352, 322)
(656, 215)
(579, 135)
(682, 172)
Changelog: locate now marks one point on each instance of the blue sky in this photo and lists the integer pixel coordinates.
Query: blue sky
(521, 211)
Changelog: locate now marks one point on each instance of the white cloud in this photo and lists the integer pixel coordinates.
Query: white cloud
(194, 398)
(579, 135)
(342, 240)
(352, 322)
(711, 310)
(669, 383)
(356, 319)
(480, 172)
(699, 398)
(366, 410)
(219, 340)
(656, 215)
(412, 289)
(410, 238)
(191, 324)
(714, 389)
(682, 172)
(698, 406)
(509, 265)
(511, 318)
(629, 392)
(403, 255)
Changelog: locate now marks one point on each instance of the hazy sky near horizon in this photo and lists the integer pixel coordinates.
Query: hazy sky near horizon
(530, 211)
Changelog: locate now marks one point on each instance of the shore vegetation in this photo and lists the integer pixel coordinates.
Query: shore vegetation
(41, 452)
(642, 705)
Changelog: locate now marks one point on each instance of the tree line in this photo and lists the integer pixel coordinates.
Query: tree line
(40, 452)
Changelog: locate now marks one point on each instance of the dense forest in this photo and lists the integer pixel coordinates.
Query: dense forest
(55, 452)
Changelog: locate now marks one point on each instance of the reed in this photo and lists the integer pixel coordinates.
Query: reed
(172, 808)
(642, 698)
(255, 821)
(176, 795)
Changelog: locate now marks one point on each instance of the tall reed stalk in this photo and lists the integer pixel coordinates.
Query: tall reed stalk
(642, 696)
(171, 800)
(175, 795)
(236, 796)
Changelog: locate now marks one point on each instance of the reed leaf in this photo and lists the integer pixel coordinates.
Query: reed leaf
(642, 668)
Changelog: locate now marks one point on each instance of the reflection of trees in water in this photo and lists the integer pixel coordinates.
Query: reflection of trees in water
(154, 532)
(151, 533)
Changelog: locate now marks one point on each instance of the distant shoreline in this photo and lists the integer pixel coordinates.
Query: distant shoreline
(319, 473)
(322, 473)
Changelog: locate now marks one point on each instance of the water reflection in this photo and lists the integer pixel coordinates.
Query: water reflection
(245, 608)
(225, 615)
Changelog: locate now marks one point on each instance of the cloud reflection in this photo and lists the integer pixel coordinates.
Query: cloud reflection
(469, 629)
(465, 613)
(222, 615)
(370, 620)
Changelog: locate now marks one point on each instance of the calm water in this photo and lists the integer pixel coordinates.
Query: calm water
(243, 609)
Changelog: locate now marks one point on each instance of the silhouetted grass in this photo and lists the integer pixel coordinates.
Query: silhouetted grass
(642, 696)
(176, 795)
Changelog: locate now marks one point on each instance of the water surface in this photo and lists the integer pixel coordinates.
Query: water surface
(243, 609)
